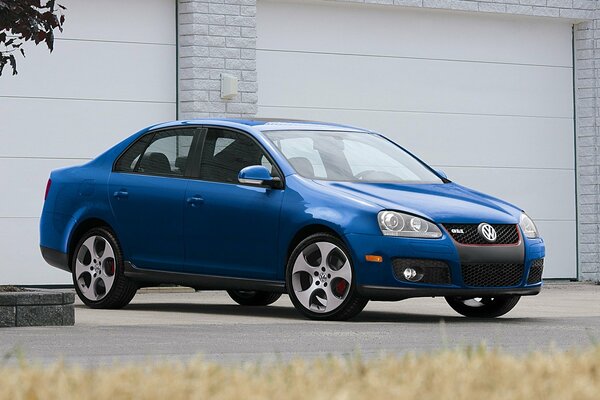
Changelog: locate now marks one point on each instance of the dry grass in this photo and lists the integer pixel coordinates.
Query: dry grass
(457, 374)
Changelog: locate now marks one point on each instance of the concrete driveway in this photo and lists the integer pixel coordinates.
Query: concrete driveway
(162, 324)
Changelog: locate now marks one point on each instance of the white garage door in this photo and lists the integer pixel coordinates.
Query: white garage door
(112, 72)
(488, 99)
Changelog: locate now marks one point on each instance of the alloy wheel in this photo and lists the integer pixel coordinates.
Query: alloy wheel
(321, 277)
(95, 268)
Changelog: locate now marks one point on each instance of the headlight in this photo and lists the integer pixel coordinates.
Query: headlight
(393, 223)
(528, 227)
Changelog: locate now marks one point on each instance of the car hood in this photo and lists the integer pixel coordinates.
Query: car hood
(448, 202)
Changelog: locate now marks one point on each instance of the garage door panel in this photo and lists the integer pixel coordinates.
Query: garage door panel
(96, 70)
(25, 181)
(538, 192)
(466, 140)
(368, 83)
(560, 240)
(443, 35)
(22, 262)
(73, 129)
(88, 20)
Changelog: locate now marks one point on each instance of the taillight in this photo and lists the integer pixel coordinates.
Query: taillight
(47, 189)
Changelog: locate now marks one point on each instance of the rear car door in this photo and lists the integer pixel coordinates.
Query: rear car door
(147, 189)
(231, 229)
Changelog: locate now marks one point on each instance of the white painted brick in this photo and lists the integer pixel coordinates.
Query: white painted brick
(216, 41)
(248, 11)
(221, 30)
(216, 19)
(533, 2)
(249, 32)
(463, 5)
(492, 7)
(385, 2)
(546, 11)
(240, 21)
(585, 4)
(577, 14)
(519, 9)
(224, 9)
(248, 54)
(560, 3)
(242, 43)
(224, 52)
(409, 3)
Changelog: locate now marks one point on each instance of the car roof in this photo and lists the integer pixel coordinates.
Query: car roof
(267, 124)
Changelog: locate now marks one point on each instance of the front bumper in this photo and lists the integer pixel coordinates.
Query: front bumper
(377, 281)
(387, 293)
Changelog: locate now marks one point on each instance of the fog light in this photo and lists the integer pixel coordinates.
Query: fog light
(412, 275)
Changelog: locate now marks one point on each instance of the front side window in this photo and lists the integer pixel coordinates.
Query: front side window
(349, 156)
(162, 153)
(225, 153)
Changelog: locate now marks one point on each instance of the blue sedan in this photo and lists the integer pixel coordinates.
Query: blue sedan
(332, 215)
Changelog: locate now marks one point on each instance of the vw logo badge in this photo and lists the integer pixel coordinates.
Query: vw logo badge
(487, 232)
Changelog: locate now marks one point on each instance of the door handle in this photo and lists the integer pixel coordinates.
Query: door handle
(195, 200)
(121, 194)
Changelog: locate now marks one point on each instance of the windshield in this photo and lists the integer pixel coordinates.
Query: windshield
(349, 156)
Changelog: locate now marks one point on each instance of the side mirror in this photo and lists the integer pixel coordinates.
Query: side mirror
(257, 175)
(441, 173)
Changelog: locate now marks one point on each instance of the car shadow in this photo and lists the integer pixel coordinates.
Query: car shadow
(288, 312)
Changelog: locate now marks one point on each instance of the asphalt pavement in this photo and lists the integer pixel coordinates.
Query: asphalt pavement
(180, 324)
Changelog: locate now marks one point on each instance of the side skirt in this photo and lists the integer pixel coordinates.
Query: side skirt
(149, 277)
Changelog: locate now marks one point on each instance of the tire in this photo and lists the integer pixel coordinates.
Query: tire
(323, 287)
(253, 297)
(483, 307)
(97, 269)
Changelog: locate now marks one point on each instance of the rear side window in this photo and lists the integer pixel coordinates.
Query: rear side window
(128, 161)
(164, 153)
(225, 153)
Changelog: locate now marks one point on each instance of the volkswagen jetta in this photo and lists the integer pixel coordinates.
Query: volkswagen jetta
(332, 215)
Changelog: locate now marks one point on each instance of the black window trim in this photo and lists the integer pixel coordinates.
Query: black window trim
(197, 162)
(198, 136)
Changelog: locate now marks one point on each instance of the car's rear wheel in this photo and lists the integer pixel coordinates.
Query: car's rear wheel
(253, 297)
(97, 268)
(320, 279)
(483, 307)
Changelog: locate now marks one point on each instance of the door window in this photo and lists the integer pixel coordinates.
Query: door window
(225, 153)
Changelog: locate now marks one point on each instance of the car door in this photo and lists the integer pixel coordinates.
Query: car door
(147, 191)
(231, 229)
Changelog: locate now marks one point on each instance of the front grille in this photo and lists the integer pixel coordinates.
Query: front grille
(434, 271)
(535, 271)
(507, 234)
(492, 275)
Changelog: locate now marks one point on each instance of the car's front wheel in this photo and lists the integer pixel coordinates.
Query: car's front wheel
(320, 279)
(483, 307)
(97, 268)
(253, 297)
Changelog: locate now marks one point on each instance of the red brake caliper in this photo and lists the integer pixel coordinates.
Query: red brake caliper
(340, 287)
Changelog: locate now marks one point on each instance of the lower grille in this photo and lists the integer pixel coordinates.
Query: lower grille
(434, 271)
(535, 271)
(492, 275)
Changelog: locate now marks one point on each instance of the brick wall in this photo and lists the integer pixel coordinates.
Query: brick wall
(587, 87)
(218, 36)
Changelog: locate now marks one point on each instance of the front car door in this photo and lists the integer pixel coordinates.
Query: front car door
(231, 229)
(147, 192)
